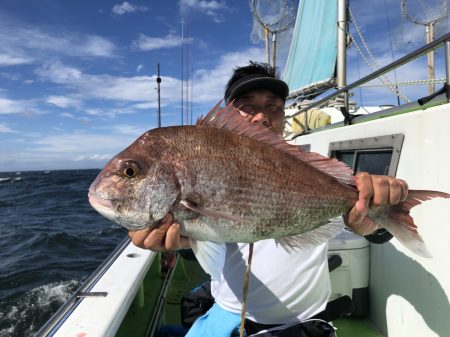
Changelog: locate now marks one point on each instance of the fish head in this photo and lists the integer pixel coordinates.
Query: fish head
(136, 188)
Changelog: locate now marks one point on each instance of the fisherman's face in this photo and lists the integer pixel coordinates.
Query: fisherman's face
(264, 106)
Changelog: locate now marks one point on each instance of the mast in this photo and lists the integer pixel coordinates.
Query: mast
(182, 70)
(429, 32)
(341, 71)
(158, 80)
(187, 74)
(429, 20)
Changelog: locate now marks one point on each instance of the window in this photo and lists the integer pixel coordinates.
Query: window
(376, 155)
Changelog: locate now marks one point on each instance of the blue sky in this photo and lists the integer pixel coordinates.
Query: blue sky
(78, 78)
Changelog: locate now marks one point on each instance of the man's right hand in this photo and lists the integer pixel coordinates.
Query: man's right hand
(166, 237)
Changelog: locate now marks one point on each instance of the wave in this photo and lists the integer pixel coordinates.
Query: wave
(23, 316)
(10, 179)
(49, 234)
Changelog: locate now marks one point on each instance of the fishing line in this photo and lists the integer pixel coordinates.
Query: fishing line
(245, 289)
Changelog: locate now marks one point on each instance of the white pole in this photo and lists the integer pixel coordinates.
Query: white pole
(341, 47)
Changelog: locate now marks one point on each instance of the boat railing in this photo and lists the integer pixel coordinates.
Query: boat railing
(69, 306)
(443, 40)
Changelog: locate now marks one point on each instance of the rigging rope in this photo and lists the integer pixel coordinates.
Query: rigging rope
(416, 82)
(391, 44)
(372, 62)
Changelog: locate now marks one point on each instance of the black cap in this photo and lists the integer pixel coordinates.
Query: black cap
(255, 82)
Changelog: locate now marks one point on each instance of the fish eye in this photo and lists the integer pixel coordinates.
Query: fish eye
(130, 169)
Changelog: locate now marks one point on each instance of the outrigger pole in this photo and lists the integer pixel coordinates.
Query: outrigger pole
(341, 71)
(158, 80)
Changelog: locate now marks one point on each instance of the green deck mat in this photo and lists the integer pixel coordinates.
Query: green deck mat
(355, 327)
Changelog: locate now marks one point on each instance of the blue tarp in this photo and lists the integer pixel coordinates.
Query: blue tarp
(313, 51)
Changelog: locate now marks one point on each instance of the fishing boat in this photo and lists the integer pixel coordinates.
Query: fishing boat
(137, 292)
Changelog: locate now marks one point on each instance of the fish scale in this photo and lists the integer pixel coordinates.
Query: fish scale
(229, 180)
(268, 189)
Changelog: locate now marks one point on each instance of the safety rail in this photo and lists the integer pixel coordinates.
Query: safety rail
(49, 328)
(445, 39)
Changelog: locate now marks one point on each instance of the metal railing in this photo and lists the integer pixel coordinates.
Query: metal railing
(52, 325)
(445, 39)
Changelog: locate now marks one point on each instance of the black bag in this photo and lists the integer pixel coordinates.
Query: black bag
(308, 328)
(196, 304)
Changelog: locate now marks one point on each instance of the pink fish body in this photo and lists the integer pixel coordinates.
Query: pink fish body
(228, 180)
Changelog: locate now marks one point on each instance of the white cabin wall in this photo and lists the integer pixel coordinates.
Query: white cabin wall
(409, 294)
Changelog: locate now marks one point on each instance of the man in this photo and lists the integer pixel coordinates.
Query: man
(285, 287)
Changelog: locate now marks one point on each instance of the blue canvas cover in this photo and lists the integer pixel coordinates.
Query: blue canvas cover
(312, 55)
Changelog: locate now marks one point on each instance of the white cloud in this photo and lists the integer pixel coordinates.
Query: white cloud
(63, 101)
(125, 7)
(12, 60)
(100, 112)
(78, 149)
(146, 105)
(78, 143)
(6, 129)
(94, 157)
(134, 88)
(11, 76)
(209, 84)
(24, 44)
(211, 8)
(67, 115)
(128, 130)
(139, 68)
(60, 73)
(8, 106)
(94, 45)
(146, 43)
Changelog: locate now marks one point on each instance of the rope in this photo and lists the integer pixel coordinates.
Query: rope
(373, 64)
(391, 44)
(416, 82)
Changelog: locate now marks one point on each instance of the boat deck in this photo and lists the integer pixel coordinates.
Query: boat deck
(352, 327)
(157, 291)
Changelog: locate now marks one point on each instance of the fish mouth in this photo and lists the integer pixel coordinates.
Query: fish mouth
(109, 209)
(104, 206)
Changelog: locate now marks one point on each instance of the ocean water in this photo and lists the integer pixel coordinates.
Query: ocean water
(51, 239)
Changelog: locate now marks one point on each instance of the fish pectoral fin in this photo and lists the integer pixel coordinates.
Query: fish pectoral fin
(210, 212)
(312, 238)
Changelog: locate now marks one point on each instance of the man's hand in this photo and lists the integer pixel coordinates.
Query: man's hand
(166, 237)
(374, 191)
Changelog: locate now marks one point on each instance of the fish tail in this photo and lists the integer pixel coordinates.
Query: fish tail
(397, 220)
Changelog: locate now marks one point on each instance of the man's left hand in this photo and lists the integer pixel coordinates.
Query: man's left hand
(374, 191)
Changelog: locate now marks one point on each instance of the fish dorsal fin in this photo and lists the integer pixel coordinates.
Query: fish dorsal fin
(237, 121)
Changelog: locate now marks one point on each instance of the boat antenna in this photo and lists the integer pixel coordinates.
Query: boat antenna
(182, 69)
(158, 81)
(192, 88)
(270, 17)
(430, 15)
(187, 73)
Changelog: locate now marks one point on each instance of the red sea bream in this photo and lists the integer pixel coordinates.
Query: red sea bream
(229, 180)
